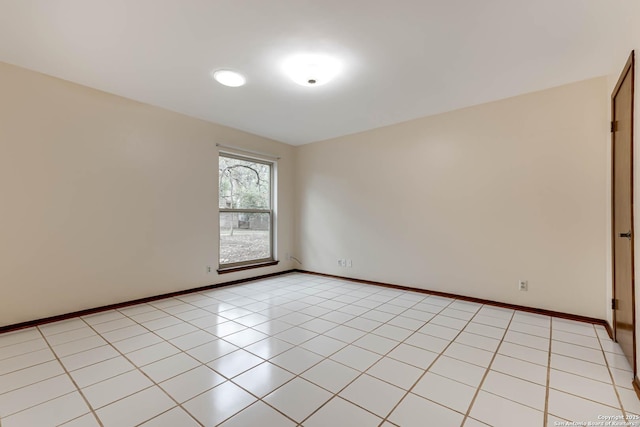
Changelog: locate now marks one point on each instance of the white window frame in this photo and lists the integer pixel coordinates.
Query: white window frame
(270, 211)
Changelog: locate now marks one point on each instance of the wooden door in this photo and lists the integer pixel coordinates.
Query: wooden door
(622, 215)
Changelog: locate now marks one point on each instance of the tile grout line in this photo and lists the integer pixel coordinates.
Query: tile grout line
(247, 327)
(75, 384)
(336, 394)
(426, 370)
(143, 373)
(336, 310)
(254, 283)
(487, 370)
(411, 345)
(394, 317)
(292, 289)
(167, 314)
(240, 373)
(605, 365)
(442, 308)
(180, 351)
(548, 379)
(613, 382)
(226, 379)
(25, 368)
(532, 382)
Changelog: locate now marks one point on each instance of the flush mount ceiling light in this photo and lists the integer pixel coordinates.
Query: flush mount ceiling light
(311, 69)
(229, 78)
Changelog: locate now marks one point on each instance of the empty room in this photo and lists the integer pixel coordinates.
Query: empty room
(295, 213)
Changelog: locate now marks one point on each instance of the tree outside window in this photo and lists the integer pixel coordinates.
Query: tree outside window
(246, 211)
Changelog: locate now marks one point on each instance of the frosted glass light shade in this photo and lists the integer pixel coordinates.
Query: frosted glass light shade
(312, 70)
(229, 78)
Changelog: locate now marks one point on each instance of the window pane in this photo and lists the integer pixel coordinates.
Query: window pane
(244, 184)
(244, 237)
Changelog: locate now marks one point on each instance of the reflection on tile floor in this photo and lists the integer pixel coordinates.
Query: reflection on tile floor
(305, 350)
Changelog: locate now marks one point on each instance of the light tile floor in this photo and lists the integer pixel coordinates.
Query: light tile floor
(305, 350)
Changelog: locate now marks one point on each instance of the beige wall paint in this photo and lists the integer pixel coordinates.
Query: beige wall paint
(470, 201)
(106, 200)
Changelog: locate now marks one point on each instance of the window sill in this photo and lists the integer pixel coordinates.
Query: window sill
(226, 270)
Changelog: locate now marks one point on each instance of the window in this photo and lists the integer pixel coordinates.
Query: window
(246, 211)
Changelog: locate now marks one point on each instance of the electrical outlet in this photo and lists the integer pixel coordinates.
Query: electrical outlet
(523, 285)
(349, 263)
(208, 269)
(339, 263)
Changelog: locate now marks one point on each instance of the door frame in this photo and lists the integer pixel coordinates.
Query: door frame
(628, 68)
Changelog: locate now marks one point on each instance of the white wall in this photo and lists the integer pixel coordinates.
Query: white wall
(105, 200)
(469, 202)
